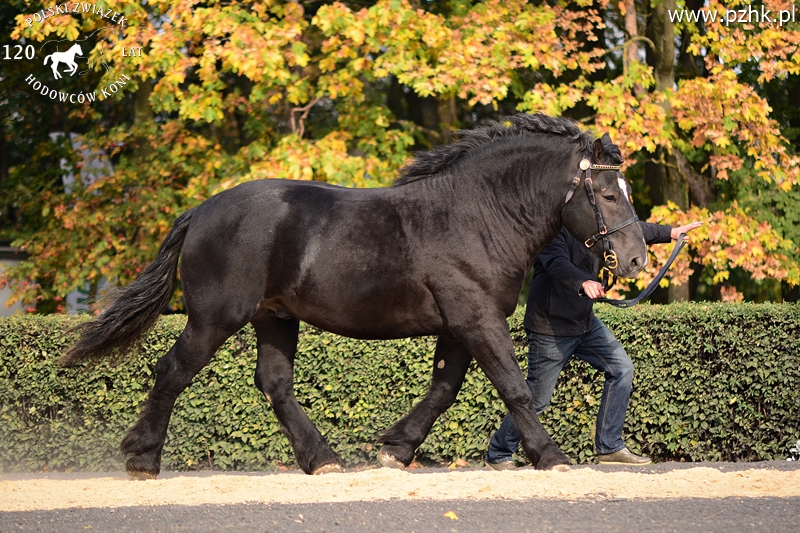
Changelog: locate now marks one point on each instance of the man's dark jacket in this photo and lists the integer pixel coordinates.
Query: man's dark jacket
(556, 305)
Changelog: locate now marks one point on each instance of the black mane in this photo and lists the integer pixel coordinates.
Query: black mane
(432, 162)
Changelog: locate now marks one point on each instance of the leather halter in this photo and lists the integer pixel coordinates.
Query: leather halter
(609, 256)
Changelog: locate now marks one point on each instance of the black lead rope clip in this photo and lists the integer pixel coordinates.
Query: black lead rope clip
(681, 242)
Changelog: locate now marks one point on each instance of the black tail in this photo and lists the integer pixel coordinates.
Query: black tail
(137, 306)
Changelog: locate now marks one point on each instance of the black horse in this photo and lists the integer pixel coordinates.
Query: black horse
(443, 251)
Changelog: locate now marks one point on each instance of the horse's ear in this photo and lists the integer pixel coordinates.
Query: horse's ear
(598, 152)
(599, 148)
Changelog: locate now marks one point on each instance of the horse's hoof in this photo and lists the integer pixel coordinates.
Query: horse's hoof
(390, 461)
(331, 468)
(141, 468)
(138, 475)
(559, 468)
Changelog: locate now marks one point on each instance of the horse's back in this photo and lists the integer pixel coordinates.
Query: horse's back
(334, 257)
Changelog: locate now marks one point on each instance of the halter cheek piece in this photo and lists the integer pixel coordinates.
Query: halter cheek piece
(609, 256)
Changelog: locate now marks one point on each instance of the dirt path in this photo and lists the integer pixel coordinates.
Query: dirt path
(61, 491)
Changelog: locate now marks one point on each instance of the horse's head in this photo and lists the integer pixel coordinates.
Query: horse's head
(77, 49)
(599, 211)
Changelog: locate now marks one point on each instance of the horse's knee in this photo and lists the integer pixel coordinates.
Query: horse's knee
(443, 396)
(261, 382)
(518, 397)
(270, 384)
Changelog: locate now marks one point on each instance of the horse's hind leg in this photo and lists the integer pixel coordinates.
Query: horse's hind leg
(450, 364)
(277, 344)
(190, 353)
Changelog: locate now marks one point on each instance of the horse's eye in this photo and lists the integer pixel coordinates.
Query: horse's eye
(610, 198)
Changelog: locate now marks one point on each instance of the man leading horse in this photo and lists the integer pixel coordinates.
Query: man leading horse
(560, 323)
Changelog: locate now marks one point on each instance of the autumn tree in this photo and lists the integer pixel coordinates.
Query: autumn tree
(702, 127)
(344, 92)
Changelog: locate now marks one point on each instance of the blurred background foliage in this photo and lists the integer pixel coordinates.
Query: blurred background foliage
(706, 113)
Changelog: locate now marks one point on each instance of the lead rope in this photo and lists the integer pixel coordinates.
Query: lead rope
(681, 242)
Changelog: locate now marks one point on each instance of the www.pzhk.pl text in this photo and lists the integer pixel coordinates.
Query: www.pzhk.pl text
(748, 15)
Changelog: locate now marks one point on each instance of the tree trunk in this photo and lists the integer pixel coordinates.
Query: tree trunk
(436, 115)
(448, 117)
(632, 29)
(663, 175)
(792, 293)
(142, 115)
(689, 65)
(793, 95)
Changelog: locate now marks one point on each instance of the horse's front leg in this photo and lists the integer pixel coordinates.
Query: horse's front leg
(450, 363)
(277, 344)
(493, 349)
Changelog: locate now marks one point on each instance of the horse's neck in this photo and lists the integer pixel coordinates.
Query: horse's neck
(525, 193)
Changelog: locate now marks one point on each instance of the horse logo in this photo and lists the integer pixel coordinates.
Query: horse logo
(67, 58)
(76, 61)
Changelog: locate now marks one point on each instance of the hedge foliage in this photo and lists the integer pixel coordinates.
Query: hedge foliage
(713, 382)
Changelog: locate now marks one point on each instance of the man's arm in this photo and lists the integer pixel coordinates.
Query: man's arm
(655, 233)
(661, 233)
(557, 264)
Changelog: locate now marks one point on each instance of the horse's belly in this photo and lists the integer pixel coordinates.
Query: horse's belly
(370, 318)
(376, 329)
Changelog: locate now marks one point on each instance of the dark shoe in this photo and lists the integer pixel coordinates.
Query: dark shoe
(503, 465)
(623, 457)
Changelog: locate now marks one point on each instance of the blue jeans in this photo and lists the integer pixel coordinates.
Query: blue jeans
(547, 356)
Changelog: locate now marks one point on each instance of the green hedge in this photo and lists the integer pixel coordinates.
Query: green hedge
(713, 382)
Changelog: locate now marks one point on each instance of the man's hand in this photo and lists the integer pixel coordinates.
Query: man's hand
(593, 289)
(676, 232)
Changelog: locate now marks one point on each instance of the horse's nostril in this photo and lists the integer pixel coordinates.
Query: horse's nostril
(639, 263)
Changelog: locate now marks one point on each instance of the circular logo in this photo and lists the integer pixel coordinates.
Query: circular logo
(66, 70)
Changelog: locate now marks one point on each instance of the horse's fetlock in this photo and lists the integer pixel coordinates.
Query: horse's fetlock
(138, 442)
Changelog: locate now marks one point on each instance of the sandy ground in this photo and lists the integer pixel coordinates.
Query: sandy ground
(54, 491)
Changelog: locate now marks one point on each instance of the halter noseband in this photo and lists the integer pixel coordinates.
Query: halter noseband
(609, 255)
